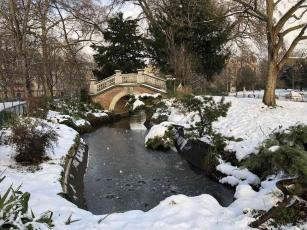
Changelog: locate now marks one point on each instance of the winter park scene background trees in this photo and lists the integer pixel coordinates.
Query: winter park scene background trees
(218, 141)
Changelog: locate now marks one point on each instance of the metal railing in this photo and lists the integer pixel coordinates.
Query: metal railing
(10, 108)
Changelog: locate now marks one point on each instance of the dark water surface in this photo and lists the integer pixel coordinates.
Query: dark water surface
(123, 175)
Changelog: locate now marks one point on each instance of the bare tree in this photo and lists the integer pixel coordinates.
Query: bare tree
(281, 20)
(17, 18)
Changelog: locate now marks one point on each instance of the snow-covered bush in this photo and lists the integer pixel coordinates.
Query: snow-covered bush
(75, 108)
(80, 116)
(206, 110)
(161, 113)
(236, 175)
(31, 138)
(140, 101)
(159, 137)
(15, 213)
(135, 104)
(284, 153)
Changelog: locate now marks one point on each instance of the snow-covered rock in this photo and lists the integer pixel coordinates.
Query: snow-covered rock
(147, 95)
(236, 175)
(81, 122)
(158, 136)
(231, 180)
(137, 104)
(274, 148)
(98, 114)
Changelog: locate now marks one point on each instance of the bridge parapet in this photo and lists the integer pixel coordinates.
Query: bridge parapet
(119, 79)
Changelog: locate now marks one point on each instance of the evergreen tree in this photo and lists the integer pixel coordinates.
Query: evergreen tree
(195, 25)
(123, 48)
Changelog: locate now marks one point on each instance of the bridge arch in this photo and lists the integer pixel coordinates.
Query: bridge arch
(118, 97)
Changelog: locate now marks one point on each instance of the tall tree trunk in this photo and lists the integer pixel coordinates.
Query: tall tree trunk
(45, 67)
(269, 97)
(48, 78)
(26, 77)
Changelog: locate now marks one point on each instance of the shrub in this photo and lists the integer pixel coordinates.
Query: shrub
(130, 104)
(285, 216)
(31, 138)
(290, 158)
(38, 107)
(206, 109)
(160, 137)
(75, 108)
(159, 143)
(6, 117)
(15, 212)
(144, 101)
(160, 113)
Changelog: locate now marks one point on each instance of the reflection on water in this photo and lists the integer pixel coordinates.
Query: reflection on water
(123, 175)
(137, 121)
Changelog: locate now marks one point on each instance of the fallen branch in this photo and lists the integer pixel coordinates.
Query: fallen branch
(286, 202)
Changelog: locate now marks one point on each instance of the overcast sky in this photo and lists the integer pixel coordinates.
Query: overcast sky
(129, 9)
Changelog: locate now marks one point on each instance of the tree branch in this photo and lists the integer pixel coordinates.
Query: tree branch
(253, 10)
(288, 15)
(299, 38)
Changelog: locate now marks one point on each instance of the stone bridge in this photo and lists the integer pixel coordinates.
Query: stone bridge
(113, 92)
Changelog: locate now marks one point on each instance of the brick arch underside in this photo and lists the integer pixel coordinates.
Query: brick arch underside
(115, 99)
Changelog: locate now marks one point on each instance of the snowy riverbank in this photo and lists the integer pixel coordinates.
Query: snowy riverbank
(247, 119)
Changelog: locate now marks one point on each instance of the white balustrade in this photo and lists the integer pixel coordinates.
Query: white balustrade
(124, 79)
(106, 83)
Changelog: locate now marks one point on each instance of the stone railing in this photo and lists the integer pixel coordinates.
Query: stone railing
(118, 79)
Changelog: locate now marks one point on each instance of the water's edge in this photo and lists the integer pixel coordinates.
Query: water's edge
(122, 175)
(73, 174)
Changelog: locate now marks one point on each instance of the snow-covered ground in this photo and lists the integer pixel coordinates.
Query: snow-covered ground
(247, 119)
(43, 184)
(282, 94)
(253, 122)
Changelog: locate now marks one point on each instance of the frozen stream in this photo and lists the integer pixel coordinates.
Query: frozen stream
(123, 175)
